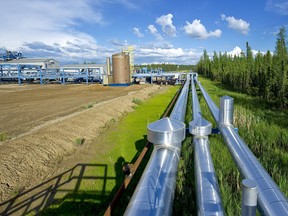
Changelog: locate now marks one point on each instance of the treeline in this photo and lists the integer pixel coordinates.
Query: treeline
(168, 67)
(262, 75)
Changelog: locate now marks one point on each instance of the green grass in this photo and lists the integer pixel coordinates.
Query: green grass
(79, 140)
(4, 136)
(122, 143)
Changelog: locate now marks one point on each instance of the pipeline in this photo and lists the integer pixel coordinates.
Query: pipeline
(207, 189)
(270, 201)
(127, 180)
(154, 193)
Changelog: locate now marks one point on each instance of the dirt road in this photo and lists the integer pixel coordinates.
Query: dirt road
(45, 121)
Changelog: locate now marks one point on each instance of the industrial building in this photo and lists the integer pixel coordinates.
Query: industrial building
(43, 63)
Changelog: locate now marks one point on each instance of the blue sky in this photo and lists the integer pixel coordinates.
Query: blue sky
(161, 31)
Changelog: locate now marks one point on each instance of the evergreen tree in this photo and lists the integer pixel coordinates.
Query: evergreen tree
(281, 67)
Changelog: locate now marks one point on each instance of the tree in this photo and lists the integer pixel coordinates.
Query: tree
(281, 67)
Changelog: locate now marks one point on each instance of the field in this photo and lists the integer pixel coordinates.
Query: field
(66, 144)
(85, 171)
(42, 126)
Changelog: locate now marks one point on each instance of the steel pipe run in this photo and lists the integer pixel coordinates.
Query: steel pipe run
(154, 193)
(270, 201)
(207, 189)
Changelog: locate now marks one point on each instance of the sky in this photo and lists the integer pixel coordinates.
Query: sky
(161, 31)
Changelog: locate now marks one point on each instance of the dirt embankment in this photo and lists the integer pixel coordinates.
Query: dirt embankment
(50, 125)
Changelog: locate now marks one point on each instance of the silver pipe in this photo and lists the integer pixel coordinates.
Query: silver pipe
(207, 189)
(212, 106)
(271, 201)
(249, 198)
(154, 193)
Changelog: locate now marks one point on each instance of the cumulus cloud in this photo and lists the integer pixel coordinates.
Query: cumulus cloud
(237, 24)
(43, 27)
(278, 6)
(165, 52)
(165, 21)
(137, 32)
(152, 29)
(237, 51)
(197, 30)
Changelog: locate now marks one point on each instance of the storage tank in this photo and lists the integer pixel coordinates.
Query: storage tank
(121, 68)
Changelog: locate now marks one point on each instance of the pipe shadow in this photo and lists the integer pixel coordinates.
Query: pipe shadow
(65, 193)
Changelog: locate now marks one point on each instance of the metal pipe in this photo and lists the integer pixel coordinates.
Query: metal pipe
(249, 198)
(154, 193)
(207, 189)
(271, 201)
(212, 106)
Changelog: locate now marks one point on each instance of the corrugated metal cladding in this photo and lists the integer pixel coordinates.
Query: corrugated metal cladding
(121, 68)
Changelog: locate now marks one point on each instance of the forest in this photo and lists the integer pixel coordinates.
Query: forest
(263, 75)
(168, 67)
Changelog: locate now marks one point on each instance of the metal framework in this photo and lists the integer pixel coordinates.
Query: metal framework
(29, 73)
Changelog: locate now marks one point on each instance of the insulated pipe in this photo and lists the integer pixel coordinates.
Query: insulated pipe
(271, 201)
(212, 106)
(154, 193)
(207, 189)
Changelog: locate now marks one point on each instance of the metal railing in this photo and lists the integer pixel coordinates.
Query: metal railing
(270, 201)
(154, 194)
(207, 189)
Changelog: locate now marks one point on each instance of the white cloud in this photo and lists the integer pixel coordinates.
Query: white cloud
(152, 29)
(197, 30)
(278, 6)
(235, 52)
(237, 24)
(137, 32)
(165, 21)
(46, 27)
(171, 55)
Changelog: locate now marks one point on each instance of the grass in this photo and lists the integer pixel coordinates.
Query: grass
(79, 141)
(121, 144)
(137, 101)
(4, 136)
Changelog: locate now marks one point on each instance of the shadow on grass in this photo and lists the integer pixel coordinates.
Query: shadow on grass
(126, 195)
(63, 194)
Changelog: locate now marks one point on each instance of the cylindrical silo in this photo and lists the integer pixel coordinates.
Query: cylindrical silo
(121, 68)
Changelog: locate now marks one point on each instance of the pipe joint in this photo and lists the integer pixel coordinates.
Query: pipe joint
(226, 110)
(200, 127)
(166, 132)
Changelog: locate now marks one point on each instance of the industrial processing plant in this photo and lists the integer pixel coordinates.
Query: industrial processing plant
(15, 68)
